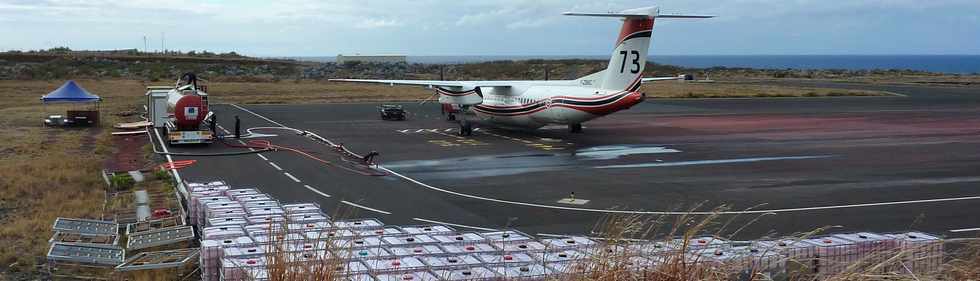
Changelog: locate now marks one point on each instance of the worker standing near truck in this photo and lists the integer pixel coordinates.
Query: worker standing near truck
(238, 127)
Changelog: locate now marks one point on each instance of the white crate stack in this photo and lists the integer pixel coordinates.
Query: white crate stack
(212, 252)
(921, 253)
(873, 248)
(240, 228)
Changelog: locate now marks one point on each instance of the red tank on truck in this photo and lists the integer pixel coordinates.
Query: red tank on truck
(191, 121)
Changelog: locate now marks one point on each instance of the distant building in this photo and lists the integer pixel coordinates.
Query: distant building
(342, 59)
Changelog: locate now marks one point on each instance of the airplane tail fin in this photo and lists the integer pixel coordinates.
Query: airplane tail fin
(629, 58)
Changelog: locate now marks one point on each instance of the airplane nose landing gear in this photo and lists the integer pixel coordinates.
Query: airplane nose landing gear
(575, 128)
(465, 130)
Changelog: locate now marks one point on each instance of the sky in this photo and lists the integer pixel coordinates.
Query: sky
(492, 27)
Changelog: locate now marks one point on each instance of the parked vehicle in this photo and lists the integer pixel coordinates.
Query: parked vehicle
(392, 112)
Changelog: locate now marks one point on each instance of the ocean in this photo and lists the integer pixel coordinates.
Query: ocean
(955, 64)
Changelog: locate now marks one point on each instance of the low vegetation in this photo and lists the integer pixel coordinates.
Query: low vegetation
(310, 91)
(50, 172)
(677, 89)
(133, 65)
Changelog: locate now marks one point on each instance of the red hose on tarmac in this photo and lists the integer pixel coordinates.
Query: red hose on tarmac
(267, 145)
(177, 164)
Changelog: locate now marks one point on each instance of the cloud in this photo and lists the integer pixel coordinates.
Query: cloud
(290, 27)
(377, 23)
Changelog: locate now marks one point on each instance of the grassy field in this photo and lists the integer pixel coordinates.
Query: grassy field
(676, 89)
(310, 92)
(50, 172)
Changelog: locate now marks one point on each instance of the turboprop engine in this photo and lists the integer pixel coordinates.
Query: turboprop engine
(463, 96)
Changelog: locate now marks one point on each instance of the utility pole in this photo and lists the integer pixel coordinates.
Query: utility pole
(163, 44)
(145, 45)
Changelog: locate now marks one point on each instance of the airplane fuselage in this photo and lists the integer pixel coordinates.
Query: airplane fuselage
(534, 106)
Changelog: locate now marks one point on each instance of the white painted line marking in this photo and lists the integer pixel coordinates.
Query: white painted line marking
(180, 183)
(366, 208)
(965, 230)
(274, 165)
(788, 210)
(263, 157)
(223, 129)
(256, 114)
(251, 149)
(316, 191)
(573, 201)
(291, 177)
(455, 224)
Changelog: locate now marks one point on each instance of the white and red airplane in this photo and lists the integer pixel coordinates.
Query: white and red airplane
(534, 104)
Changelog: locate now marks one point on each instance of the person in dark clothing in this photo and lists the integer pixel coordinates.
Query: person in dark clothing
(214, 125)
(238, 127)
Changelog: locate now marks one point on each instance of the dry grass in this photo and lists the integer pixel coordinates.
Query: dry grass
(49, 172)
(612, 261)
(308, 91)
(676, 89)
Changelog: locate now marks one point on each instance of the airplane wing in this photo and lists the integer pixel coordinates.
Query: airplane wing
(429, 83)
(654, 79)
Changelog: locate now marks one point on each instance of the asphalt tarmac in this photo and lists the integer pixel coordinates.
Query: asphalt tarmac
(884, 164)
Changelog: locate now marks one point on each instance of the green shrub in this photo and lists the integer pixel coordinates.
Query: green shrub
(161, 174)
(122, 181)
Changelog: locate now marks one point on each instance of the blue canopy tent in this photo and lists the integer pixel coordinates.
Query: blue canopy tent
(72, 93)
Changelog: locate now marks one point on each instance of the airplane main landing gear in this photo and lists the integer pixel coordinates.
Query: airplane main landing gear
(575, 128)
(465, 130)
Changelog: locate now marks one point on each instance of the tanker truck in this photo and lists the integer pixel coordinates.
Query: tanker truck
(190, 121)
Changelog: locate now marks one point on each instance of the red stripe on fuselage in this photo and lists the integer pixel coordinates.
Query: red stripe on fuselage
(628, 88)
(623, 103)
